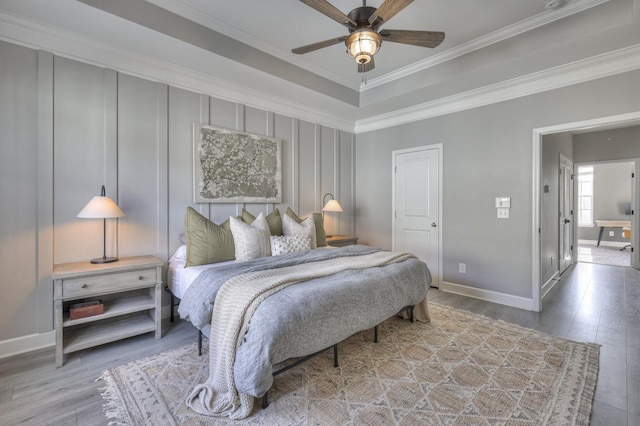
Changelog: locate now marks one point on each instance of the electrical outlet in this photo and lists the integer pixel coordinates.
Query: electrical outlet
(612, 233)
(503, 213)
(462, 268)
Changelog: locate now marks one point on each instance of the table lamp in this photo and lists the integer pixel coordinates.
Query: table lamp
(102, 207)
(330, 206)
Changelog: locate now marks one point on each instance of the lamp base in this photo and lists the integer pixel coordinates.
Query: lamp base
(104, 260)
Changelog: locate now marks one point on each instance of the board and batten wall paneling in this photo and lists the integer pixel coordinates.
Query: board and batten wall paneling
(142, 184)
(85, 150)
(67, 128)
(283, 128)
(45, 191)
(18, 190)
(185, 108)
(345, 164)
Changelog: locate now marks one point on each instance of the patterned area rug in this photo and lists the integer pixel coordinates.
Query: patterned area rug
(461, 369)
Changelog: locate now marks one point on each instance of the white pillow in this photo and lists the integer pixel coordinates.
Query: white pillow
(289, 244)
(180, 254)
(251, 241)
(306, 227)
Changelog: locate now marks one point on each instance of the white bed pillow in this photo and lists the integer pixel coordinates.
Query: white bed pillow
(180, 254)
(251, 241)
(306, 227)
(289, 244)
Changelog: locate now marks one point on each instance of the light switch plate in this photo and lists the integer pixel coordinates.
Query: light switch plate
(503, 213)
(503, 202)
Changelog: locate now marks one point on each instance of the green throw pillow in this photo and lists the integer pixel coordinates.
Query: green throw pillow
(206, 241)
(321, 236)
(273, 219)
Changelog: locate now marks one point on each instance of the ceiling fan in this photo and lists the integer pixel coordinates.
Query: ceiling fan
(365, 36)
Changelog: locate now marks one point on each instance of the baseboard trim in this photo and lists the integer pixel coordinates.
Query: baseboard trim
(551, 282)
(488, 295)
(32, 342)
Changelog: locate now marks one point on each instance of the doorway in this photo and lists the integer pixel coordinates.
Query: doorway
(539, 261)
(604, 197)
(417, 201)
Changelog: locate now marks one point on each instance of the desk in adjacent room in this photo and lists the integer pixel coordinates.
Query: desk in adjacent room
(611, 224)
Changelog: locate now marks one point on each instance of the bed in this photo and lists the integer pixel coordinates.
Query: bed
(263, 310)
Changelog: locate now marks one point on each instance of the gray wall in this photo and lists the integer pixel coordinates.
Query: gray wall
(66, 128)
(611, 191)
(487, 152)
(552, 146)
(608, 145)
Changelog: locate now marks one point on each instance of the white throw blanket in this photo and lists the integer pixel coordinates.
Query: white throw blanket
(235, 304)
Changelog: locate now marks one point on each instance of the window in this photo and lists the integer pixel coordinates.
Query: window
(585, 195)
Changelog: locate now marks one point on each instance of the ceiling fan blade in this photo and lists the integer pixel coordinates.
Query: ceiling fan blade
(366, 67)
(331, 11)
(414, 38)
(387, 10)
(319, 45)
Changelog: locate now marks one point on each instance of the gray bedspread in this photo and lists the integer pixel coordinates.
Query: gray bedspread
(310, 316)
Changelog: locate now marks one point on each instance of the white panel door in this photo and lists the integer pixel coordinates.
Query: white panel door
(566, 214)
(416, 202)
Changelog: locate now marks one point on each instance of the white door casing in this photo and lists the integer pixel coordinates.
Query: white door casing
(565, 205)
(417, 200)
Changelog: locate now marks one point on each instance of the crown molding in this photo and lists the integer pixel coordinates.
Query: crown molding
(35, 35)
(600, 66)
(66, 44)
(512, 30)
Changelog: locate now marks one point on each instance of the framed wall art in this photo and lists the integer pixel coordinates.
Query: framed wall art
(235, 167)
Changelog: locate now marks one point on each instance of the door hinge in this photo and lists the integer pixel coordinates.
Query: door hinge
(395, 169)
(395, 214)
(571, 212)
(560, 172)
(571, 177)
(633, 175)
(539, 231)
(571, 247)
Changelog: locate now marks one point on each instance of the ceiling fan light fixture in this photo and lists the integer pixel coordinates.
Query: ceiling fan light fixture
(363, 44)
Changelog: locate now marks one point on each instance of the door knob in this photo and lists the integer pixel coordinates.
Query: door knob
(567, 220)
(433, 225)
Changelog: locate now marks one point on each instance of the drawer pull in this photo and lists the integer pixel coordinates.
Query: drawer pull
(84, 286)
(140, 278)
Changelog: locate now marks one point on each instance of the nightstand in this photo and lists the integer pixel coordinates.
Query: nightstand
(130, 291)
(341, 240)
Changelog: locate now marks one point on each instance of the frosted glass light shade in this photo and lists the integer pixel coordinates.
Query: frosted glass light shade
(101, 207)
(362, 45)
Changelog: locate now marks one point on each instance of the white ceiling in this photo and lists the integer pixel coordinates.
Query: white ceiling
(240, 50)
(277, 26)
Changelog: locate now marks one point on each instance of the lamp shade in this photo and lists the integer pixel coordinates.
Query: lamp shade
(332, 206)
(101, 207)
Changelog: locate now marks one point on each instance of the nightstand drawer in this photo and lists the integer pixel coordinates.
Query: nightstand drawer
(86, 286)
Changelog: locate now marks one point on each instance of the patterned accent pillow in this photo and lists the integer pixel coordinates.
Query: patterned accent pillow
(251, 241)
(321, 237)
(306, 227)
(289, 244)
